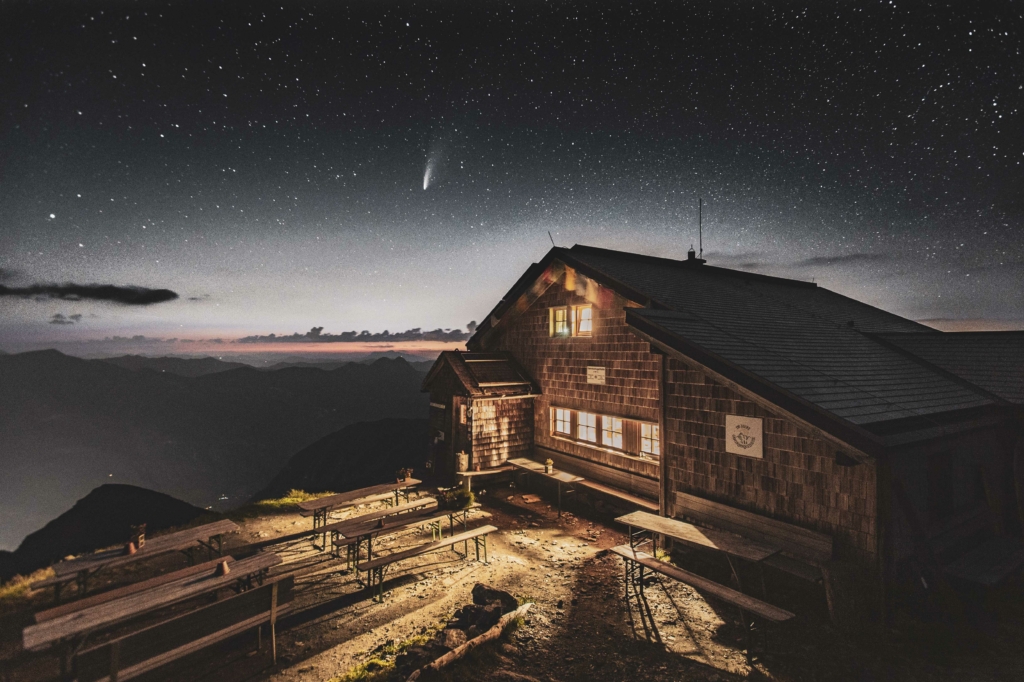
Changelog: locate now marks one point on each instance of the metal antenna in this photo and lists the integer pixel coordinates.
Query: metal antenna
(551, 238)
(700, 226)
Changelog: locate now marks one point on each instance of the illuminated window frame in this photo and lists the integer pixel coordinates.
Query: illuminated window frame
(583, 320)
(650, 440)
(562, 421)
(559, 323)
(586, 427)
(611, 432)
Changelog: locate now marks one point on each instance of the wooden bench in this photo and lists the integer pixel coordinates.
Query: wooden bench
(110, 595)
(803, 551)
(144, 650)
(322, 506)
(80, 570)
(376, 568)
(352, 535)
(68, 627)
(375, 515)
(621, 496)
(636, 561)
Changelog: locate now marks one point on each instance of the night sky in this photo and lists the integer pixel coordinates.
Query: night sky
(387, 166)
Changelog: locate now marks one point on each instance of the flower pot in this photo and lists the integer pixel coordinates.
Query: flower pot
(547, 468)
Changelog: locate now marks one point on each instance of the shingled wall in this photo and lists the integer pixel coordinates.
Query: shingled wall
(502, 430)
(559, 366)
(798, 481)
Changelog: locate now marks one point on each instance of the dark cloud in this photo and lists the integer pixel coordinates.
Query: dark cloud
(471, 327)
(60, 319)
(204, 297)
(846, 259)
(128, 295)
(316, 335)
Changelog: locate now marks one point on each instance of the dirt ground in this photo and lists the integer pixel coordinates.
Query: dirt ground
(580, 627)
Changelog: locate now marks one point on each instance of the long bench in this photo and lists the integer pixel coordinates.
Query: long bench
(74, 625)
(620, 496)
(81, 569)
(803, 550)
(322, 506)
(111, 595)
(147, 649)
(376, 568)
(350, 534)
(338, 527)
(636, 561)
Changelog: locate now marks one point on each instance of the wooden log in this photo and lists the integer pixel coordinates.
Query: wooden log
(459, 652)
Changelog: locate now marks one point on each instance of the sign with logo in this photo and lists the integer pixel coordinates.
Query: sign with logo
(595, 375)
(437, 405)
(743, 436)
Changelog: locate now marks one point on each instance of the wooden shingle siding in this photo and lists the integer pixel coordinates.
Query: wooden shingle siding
(559, 366)
(502, 429)
(797, 481)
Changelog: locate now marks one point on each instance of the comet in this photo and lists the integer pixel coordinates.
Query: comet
(428, 174)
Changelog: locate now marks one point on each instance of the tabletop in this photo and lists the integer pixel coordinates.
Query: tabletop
(354, 495)
(724, 541)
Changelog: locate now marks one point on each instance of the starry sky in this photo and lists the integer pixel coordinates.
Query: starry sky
(389, 166)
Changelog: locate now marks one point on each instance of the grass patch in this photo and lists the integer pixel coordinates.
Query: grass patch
(381, 663)
(280, 505)
(17, 588)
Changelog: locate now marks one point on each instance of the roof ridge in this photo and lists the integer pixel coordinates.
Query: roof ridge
(709, 269)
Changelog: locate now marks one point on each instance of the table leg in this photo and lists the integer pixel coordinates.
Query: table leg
(559, 484)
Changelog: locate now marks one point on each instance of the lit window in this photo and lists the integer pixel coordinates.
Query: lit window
(584, 320)
(611, 432)
(650, 443)
(562, 424)
(560, 322)
(587, 427)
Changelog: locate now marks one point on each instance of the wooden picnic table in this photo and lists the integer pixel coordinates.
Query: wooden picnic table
(81, 622)
(729, 544)
(559, 477)
(375, 515)
(81, 569)
(353, 532)
(322, 506)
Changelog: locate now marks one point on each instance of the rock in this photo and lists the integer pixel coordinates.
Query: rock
(485, 594)
(452, 638)
(509, 649)
(473, 632)
(488, 617)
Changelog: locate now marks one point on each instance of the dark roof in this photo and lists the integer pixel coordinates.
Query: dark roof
(805, 348)
(832, 367)
(483, 374)
(993, 361)
(676, 284)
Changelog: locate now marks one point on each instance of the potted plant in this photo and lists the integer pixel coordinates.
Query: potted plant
(403, 474)
(456, 498)
(548, 466)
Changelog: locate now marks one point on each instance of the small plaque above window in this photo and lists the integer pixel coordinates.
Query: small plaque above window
(743, 436)
(595, 375)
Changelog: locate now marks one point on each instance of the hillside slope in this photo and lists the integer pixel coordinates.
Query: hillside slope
(102, 518)
(357, 456)
(68, 425)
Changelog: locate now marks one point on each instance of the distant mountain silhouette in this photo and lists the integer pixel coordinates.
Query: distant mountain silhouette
(186, 367)
(68, 425)
(357, 456)
(102, 518)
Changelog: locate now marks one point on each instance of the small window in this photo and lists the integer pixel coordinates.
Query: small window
(587, 427)
(650, 443)
(562, 421)
(560, 322)
(462, 414)
(611, 432)
(584, 320)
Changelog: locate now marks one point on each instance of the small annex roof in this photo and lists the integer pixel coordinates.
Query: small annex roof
(482, 375)
(993, 361)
